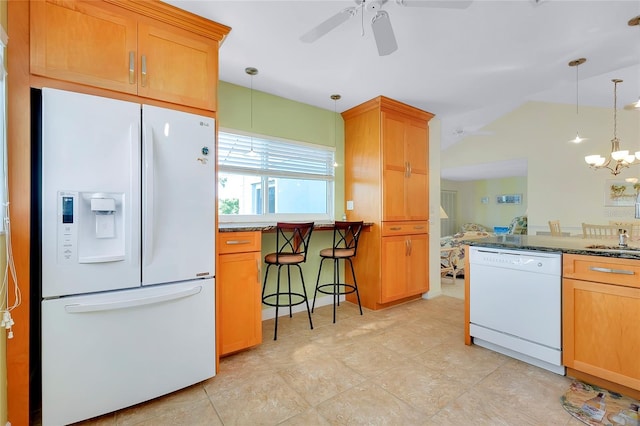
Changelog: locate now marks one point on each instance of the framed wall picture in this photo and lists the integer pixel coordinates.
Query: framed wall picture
(509, 199)
(618, 192)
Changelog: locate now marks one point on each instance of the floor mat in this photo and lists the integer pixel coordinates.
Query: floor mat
(597, 406)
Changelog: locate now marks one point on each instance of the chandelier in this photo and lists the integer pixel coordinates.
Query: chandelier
(619, 159)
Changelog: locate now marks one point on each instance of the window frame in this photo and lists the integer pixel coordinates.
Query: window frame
(329, 180)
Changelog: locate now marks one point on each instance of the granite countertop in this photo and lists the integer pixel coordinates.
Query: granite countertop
(570, 245)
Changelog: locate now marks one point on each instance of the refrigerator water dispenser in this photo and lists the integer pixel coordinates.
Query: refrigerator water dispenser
(104, 210)
(91, 227)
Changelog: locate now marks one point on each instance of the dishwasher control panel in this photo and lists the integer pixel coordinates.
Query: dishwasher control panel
(541, 262)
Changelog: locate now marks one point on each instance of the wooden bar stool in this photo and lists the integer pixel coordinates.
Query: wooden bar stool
(345, 246)
(292, 243)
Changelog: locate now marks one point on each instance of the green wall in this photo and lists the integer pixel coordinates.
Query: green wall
(287, 119)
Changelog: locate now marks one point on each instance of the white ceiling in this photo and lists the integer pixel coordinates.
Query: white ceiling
(467, 66)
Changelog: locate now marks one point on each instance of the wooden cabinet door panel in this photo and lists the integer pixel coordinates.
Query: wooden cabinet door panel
(81, 42)
(417, 184)
(418, 264)
(393, 201)
(393, 285)
(393, 142)
(417, 200)
(394, 168)
(240, 302)
(416, 146)
(600, 330)
(180, 67)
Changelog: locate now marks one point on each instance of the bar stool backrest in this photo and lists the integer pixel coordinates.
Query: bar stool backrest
(292, 241)
(345, 238)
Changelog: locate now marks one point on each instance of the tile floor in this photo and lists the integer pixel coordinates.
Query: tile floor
(452, 287)
(405, 365)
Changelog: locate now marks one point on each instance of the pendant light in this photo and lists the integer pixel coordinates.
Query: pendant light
(618, 159)
(251, 71)
(335, 98)
(634, 22)
(576, 63)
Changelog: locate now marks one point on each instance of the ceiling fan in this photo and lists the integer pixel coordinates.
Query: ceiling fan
(380, 23)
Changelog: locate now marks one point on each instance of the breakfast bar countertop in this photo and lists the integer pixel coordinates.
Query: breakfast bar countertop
(569, 245)
(270, 226)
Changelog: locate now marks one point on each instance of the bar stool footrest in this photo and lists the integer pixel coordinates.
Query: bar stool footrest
(352, 288)
(284, 303)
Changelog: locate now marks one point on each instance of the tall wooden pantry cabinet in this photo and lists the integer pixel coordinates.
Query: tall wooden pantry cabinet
(387, 184)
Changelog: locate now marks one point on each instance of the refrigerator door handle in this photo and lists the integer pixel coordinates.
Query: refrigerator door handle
(148, 202)
(78, 308)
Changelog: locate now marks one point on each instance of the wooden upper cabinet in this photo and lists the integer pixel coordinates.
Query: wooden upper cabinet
(177, 67)
(405, 167)
(83, 43)
(148, 48)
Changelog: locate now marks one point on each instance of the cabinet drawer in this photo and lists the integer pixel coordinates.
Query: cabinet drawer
(239, 242)
(602, 269)
(404, 228)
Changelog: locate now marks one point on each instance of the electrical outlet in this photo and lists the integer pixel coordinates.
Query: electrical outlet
(350, 205)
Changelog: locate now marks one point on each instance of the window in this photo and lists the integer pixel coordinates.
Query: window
(268, 179)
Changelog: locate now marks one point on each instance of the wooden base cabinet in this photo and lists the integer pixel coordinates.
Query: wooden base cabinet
(601, 317)
(405, 272)
(149, 48)
(386, 182)
(239, 286)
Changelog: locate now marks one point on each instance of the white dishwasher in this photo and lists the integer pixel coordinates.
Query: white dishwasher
(515, 303)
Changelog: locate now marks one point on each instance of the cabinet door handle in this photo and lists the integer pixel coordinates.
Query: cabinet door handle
(409, 166)
(236, 242)
(144, 70)
(406, 169)
(132, 67)
(418, 227)
(406, 247)
(259, 274)
(410, 248)
(611, 271)
(395, 228)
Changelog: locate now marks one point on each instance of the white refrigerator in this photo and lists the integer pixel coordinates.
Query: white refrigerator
(127, 253)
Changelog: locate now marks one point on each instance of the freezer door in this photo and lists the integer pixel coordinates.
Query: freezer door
(104, 352)
(90, 199)
(178, 195)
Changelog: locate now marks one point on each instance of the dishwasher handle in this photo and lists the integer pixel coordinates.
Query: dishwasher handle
(611, 270)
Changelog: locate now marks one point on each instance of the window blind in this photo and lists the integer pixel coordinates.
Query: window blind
(260, 156)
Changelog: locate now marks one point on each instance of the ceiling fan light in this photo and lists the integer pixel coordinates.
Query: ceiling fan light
(620, 155)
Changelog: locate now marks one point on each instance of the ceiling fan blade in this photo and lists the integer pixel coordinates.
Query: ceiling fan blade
(328, 25)
(383, 33)
(445, 4)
